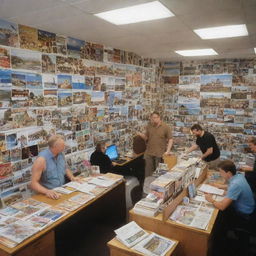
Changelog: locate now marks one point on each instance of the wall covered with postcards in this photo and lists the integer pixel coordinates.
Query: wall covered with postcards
(51, 84)
(218, 94)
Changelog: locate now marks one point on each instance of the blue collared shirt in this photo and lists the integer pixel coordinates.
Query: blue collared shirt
(240, 192)
(54, 174)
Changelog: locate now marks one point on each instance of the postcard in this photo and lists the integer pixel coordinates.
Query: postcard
(64, 81)
(64, 98)
(74, 46)
(28, 60)
(9, 33)
(5, 78)
(5, 170)
(28, 38)
(52, 214)
(49, 81)
(78, 82)
(64, 65)
(46, 41)
(36, 98)
(34, 81)
(48, 63)
(5, 58)
(50, 98)
(18, 79)
(61, 45)
(5, 97)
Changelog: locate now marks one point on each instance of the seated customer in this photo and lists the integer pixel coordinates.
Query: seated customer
(99, 158)
(238, 204)
(49, 169)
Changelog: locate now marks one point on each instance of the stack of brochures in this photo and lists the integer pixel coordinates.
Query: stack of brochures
(148, 206)
(134, 237)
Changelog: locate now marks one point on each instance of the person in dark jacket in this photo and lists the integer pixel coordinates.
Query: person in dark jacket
(99, 158)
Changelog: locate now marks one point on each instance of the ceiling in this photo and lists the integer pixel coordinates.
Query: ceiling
(157, 39)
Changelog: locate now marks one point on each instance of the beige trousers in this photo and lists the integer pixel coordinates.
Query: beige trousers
(151, 163)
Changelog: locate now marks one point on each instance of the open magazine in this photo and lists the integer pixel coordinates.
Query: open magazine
(134, 237)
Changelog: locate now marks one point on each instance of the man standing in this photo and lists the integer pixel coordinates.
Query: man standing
(159, 141)
(250, 172)
(49, 169)
(207, 144)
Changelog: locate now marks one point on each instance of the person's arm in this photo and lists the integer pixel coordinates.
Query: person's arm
(246, 168)
(71, 176)
(221, 205)
(208, 152)
(37, 170)
(169, 147)
(143, 136)
(192, 148)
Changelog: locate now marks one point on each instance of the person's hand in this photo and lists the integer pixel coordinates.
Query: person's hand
(208, 197)
(77, 179)
(52, 194)
(167, 153)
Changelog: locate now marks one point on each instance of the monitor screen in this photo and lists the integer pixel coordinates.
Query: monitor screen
(112, 153)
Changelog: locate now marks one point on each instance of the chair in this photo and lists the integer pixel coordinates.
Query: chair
(131, 183)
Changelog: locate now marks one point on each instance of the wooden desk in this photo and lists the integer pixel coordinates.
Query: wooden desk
(118, 249)
(43, 242)
(128, 159)
(192, 241)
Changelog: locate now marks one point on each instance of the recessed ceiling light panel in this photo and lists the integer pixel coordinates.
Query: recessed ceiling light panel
(197, 52)
(137, 13)
(222, 32)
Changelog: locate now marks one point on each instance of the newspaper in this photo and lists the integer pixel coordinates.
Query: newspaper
(193, 215)
(102, 181)
(68, 206)
(82, 187)
(62, 190)
(130, 234)
(81, 198)
(211, 189)
(154, 245)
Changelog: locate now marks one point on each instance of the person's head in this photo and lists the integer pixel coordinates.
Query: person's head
(252, 144)
(56, 144)
(101, 147)
(155, 118)
(197, 130)
(227, 169)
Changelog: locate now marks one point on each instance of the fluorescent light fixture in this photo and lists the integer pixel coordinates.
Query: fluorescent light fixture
(222, 32)
(197, 52)
(137, 13)
(255, 50)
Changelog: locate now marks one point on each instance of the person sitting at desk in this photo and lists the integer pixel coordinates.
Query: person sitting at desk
(207, 144)
(99, 158)
(250, 172)
(49, 169)
(238, 204)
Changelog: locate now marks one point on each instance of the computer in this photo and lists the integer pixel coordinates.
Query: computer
(112, 153)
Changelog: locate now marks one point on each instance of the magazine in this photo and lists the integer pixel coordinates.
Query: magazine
(154, 245)
(52, 213)
(68, 206)
(130, 234)
(62, 190)
(39, 222)
(102, 181)
(206, 188)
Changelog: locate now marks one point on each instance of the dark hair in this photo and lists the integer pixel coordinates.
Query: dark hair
(196, 127)
(252, 140)
(155, 113)
(98, 146)
(227, 166)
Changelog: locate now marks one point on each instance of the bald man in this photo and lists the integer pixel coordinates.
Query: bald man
(49, 169)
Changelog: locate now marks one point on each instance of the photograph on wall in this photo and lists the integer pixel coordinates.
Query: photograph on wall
(216, 83)
(23, 117)
(9, 33)
(78, 82)
(34, 81)
(28, 60)
(48, 63)
(74, 46)
(64, 65)
(46, 41)
(49, 81)
(36, 98)
(28, 38)
(61, 45)
(5, 78)
(18, 80)
(50, 98)
(98, 97)
(5, 97)
(64, 81)
(64, 98)
(4, 58)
